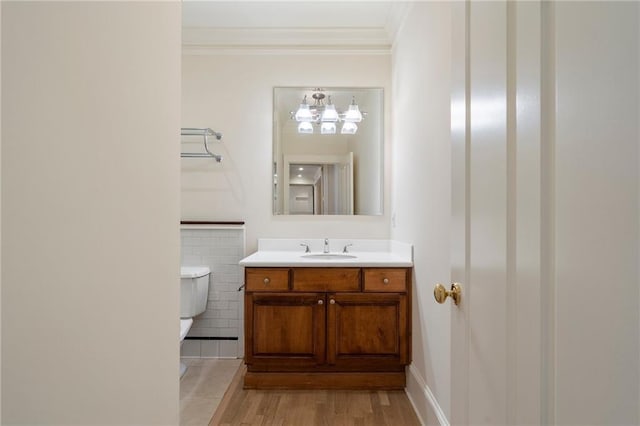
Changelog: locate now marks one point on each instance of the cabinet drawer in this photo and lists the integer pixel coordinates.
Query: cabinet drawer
(326, 279)
(267, 279)
(385, 279)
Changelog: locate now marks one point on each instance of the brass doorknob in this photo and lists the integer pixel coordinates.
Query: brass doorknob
(441, 293)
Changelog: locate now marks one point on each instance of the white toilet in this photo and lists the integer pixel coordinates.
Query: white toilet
(194, 292)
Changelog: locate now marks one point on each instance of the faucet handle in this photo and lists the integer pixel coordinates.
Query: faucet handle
(344, 250)
(306, 247)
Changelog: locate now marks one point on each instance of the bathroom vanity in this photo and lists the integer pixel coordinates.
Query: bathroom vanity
(327, 320)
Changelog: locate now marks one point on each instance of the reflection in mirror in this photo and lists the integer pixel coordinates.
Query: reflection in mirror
(328, 183)
(328, 151)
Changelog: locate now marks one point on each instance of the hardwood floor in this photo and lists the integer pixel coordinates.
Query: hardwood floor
(308, 408)
(203, 387)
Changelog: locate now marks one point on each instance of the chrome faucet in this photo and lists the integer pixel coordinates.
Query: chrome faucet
(306, 248)
(326, 245)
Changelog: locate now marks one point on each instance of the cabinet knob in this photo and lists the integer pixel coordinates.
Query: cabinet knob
(385, 281)
(333, 302)
(266, 281)
(320, 302)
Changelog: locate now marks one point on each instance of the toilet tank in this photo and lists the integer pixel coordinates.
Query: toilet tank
(194, 290)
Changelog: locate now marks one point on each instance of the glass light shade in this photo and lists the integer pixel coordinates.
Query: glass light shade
(329, 114)
(303, 113)
(353, 114)
(305, 127)
(349, 128)
(328, 128)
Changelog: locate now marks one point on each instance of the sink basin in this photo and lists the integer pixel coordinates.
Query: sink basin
(329, 256)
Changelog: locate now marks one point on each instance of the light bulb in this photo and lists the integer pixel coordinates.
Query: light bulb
(305, 127)
(349, 128)
(353, 114)
(329, 114)
(328, 128)
(304, 113)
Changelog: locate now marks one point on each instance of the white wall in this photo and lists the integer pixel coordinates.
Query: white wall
(233, 93)
(0, 215)
(90, 212)
(596, 213)
(421, 189)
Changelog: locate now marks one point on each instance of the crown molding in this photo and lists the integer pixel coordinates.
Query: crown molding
(397, 16)
(291, 40)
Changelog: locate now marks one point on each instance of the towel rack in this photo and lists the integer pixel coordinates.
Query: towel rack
(205, 133)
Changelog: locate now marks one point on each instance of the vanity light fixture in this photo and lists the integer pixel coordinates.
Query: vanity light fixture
(326, 116)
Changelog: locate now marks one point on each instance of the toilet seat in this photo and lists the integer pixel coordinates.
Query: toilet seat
(185, 325)
(194, 293)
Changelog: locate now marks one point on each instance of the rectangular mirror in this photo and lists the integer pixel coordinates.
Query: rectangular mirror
(328, 146)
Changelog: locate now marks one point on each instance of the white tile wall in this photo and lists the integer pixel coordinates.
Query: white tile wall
(220, 248)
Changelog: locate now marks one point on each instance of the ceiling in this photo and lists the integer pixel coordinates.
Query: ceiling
(286, 14)
(346, 24)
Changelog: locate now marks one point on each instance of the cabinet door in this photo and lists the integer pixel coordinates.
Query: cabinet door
(367, 330)
(284, 330)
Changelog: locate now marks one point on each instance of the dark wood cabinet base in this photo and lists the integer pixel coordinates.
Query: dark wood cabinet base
(327, 328)
(325, 380)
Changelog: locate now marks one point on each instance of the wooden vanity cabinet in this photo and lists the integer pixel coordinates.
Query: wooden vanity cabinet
(286, 329)
(318, 328)
(367, 330)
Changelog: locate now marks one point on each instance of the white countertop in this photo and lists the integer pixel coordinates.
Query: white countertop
(368, 253)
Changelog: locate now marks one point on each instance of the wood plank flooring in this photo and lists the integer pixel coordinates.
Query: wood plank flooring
(311, 408)
(203, 387)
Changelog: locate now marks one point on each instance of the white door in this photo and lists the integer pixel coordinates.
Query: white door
(301, 199)
(496, 340)
(545, 237)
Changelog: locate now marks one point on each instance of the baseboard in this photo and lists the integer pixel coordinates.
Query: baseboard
(380, 380)
(422, 399)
